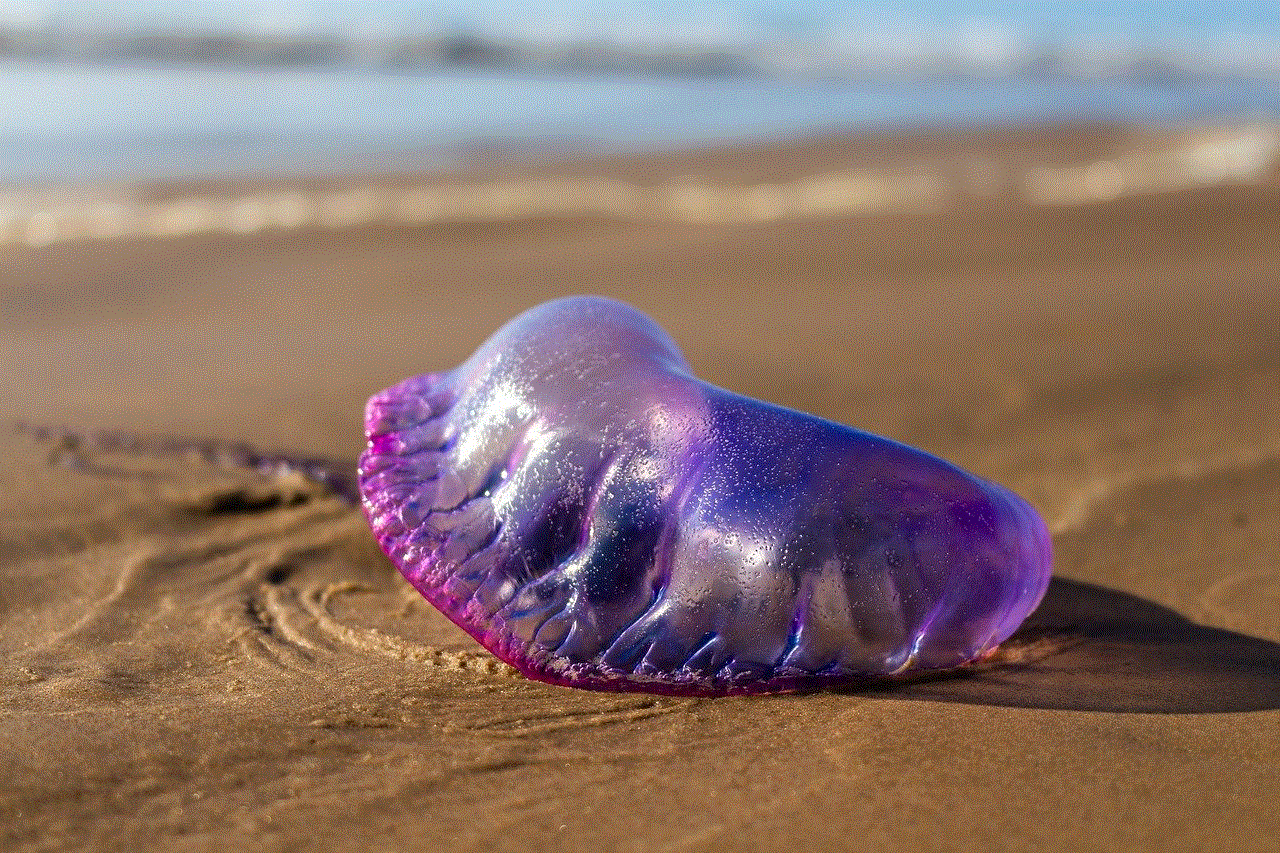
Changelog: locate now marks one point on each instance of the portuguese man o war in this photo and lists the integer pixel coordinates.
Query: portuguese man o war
(593, 514)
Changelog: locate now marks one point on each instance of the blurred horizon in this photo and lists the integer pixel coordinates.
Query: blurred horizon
(1166, 42)
(106, 90)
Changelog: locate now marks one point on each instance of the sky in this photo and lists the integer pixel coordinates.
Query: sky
(995, 32)
(718, 18)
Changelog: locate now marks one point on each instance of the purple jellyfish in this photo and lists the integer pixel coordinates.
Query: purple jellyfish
(578, 501)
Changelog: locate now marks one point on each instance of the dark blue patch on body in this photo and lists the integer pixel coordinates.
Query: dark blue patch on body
(624, 544)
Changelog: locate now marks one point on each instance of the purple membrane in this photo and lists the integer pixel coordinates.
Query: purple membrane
(596, 516)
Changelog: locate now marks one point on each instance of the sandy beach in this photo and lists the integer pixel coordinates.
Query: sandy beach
(199, 657)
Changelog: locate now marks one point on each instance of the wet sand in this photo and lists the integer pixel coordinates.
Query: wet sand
(199, 657)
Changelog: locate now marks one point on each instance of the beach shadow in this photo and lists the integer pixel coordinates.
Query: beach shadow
(1088, 648)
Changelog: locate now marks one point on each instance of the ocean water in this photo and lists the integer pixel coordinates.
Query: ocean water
(87, 124)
